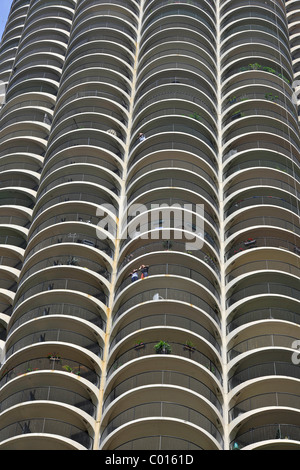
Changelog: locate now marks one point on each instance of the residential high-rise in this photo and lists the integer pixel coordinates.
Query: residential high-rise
(159, 133)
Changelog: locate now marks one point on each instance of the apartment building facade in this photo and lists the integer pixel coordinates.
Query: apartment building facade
(161, 134)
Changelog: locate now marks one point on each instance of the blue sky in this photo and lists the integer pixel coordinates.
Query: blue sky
(4, 10)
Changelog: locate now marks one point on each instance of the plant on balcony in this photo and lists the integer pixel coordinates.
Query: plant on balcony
(139, 345)
(196, 116)
(70, 369)
(189, 346)
(54, 357)
(163, 348)
(237, 114)
(270, 97)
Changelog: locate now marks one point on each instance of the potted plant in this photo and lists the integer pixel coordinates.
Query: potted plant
(189, 346)
(70, 369)
(54, 357)
(139, 345)
(162, 347)
(249, 242)
(237, 114)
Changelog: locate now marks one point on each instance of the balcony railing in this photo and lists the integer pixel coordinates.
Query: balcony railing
(165, 377)
(165, 410)
(47, 426)
(177, 349)
(281, 432)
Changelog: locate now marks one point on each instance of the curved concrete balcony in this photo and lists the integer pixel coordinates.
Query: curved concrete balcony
(66, 255)
(171, 179)
(174, 108)
(266, 247)
(263, 177)
(48, 22)
(168, 261)
(162, 290)
(269, 160)
(256, 217)
(261, 394)
(94, 121)
(70, 306)
(267, 11)
(50, 388)
(267, 310)
(169, 142)
(254, 337)
(111, 10)
(164, 16)
(131, 5)
(67, 278)
(149, 224)
(96, 105)
(27, 115)
(101, 139)
(270, 54)
(283, 284)
(85, 214)
(98, 60)
(262, 363)
(266, 196)
(145, 180)
(246, 124)
(44, 432)
(68, 233)
(21, 198)
(85, 155)
(80, 172)
(122, 382)
(60, 330)
(173, 161)
(76, 191)
(159, 408)
(80, 364)
(178, 351)
(182, 79)
(141, 248)
(110, 27)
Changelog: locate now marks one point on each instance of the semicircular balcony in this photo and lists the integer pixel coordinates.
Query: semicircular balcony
(265, 362)
(66, 305)
(161, 288)
(49, 424)
(171, 219)
(166, 403)
(64, 232)
(49, 387)
(170, 263)
(171, 178)
(185, 19)
(60, 330)
(76, 191)
(140, 247)
(264, 415)
(63, 278)
(88, 136)
(268, 309)
(262, 282)
(94, 121)
(178, 161)
(37, 359)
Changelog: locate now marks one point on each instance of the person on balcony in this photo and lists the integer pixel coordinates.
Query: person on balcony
(144, 270)
(134, 275)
